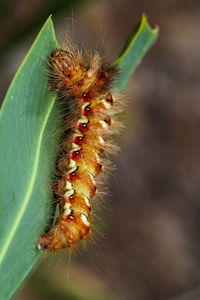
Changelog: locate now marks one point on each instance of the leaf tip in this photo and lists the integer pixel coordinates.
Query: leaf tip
(144, 20)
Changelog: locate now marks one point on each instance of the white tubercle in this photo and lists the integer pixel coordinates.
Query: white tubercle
(104, 124)
(75, 148)
(85, 104)
(67, 194)
(85, 220)
(72, 163)
(71, 170)
(87, 202)
(102, 141)
(90, 73)
(107, 105)
(77, 134)
(83, 119)
(67, 208)
(74, 145)
(65, 64)
(68, 185)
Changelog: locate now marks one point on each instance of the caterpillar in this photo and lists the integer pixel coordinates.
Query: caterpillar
(87, 81)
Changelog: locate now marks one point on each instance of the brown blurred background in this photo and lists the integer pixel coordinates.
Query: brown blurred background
(150, 245)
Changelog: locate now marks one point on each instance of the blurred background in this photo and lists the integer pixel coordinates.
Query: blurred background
(150, 243)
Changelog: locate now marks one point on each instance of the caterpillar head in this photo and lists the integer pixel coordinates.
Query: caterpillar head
(67, 66)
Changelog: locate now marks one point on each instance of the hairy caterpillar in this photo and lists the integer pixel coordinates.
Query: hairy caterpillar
(87, 81)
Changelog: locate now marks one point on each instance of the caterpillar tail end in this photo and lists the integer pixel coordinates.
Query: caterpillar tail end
(51, 240)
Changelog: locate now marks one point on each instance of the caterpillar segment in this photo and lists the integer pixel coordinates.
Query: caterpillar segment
(88, 82)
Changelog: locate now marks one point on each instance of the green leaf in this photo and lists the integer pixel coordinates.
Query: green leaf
(136, 46)
(27, 156)
(29, 136)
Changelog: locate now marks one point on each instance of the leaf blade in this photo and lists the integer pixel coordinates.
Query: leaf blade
(139, 42)
(23, 120)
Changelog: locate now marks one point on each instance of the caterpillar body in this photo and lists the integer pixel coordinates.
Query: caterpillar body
(87, 80)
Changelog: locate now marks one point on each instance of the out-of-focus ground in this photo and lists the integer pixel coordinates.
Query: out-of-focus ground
(151, 244)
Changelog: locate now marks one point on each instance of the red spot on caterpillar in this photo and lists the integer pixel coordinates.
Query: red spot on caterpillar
(82, 127)
(71, 176)
(74, 154)
(86, 111)
(85, 97)
(78, 140)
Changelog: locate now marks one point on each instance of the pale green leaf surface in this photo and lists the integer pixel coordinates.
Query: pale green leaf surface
(29, 135)
(27, 155)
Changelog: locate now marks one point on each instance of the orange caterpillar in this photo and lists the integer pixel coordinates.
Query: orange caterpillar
(87, 81)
